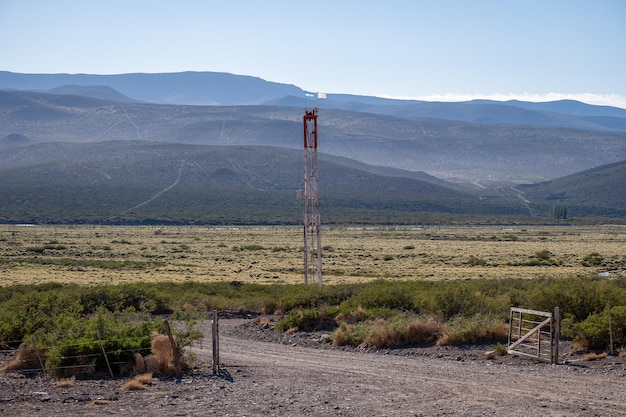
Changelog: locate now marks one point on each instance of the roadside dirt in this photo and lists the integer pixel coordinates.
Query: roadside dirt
(267, 374)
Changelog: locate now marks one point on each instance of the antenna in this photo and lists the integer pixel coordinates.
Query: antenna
(312, 232)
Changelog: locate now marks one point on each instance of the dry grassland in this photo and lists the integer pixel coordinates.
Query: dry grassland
(93, 255)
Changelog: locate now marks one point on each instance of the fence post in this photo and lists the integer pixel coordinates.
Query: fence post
(557, 335)
(215, 336)
(173, 343)
(106, 358)
(43, 367)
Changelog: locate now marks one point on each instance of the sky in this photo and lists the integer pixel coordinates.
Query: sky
(440, 50)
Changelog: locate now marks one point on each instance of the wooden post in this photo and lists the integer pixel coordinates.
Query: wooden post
(557, 335)
(174, 348)
(106, 359)
(43, 367)
(215, 336)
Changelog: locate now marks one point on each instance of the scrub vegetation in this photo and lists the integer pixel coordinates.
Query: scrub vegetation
(69, 286)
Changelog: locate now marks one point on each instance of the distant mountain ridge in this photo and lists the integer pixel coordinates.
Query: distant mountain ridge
(484, 111)
(443, 148)
(92, 153)
(215, 88)
(196, 88)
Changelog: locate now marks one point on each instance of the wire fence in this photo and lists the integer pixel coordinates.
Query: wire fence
(32, 357)
(101, 356)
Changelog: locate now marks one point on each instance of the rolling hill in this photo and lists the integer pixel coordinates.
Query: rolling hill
(451, 150)
(599, 191)
(100, 149)
(134, 182)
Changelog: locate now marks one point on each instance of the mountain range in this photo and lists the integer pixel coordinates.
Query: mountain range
(131, 148)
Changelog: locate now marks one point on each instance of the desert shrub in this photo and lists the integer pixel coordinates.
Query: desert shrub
(474, 261)
(500, 349)
(593, 332)
(353, 316)
(78, 342)
(542, 258)
(383, 294)
(27, 312)
(592, 259)
(578, 296)
(121, 297)
(26, 358)
(452, 300)
(350, 334)
(308, 319)
(71, 324)
(402, 330)
(471, 330)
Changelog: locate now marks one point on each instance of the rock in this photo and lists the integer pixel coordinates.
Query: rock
(491, 354)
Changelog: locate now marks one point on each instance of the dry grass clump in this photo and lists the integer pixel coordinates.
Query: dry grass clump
(144, 378)
(138, 383)
(66, 382)
(594, 356)
(462, 331)
(161, 361)
(360, 314)
(26, 358)
(413, 332)
(384, 333)
(133, 385)
(419, 331)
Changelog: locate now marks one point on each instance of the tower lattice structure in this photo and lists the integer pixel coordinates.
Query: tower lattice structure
(310, 195)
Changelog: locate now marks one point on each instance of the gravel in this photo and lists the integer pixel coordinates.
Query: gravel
(264, 373)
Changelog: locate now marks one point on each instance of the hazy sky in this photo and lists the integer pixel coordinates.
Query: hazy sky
(435, 50)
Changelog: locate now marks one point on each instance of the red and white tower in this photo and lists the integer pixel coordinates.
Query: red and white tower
(312, 232)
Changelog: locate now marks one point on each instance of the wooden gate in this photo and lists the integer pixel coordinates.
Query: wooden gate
(534, 333)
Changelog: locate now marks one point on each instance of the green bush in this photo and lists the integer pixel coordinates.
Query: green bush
(593, 259)
(308, 319)
(383, 294)
(472, 330)
(593, 332)
(451, 300)
(53, 309)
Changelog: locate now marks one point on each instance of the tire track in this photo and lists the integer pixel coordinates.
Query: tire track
(160, 193)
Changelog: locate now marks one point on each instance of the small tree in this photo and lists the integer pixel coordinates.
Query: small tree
(559, 212)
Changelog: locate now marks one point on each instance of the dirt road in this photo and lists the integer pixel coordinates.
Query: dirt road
(262, 378)
(305, 381)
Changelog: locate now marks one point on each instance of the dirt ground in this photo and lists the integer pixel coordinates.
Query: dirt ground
(267, 374)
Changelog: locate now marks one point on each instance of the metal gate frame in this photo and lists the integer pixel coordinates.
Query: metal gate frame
(531, 330)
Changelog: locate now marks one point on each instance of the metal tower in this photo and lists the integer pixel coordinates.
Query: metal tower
(312, 233)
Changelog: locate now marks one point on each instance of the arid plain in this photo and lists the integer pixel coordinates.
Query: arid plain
(91, 255)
